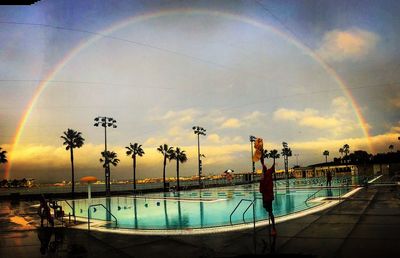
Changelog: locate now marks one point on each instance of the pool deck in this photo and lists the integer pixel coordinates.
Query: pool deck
(366, 224)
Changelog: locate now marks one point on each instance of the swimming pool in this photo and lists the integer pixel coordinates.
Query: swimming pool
(201, 208)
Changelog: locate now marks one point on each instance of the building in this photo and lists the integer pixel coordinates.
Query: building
(321, 170)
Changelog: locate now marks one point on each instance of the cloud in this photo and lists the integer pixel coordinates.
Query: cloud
(396, 128)
(52, 162)
(340, 103)
(308, 118)
(395, 101)
(181, 117)
(231, 123)
(254, 117)
(338, 121)
(214, 138)
(380, 143)
(352, 44)
(154, 141)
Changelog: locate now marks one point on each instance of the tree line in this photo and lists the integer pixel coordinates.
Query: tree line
(73, 139)
(363, 157)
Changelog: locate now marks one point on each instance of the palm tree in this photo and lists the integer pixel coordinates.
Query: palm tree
(3, 157)
(286, 153)
(134, 149)
(72, 139)
(341, 151)
(166, 151)
(180, 157)
(109, 157)
(274, 155)
(391, 147)
(265, 154)
(346, 150)
(326, 154)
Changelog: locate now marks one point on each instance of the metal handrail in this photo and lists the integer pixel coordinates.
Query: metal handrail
(62, 200)
(72, 209)
(99, 204)
(252, 203)
(247, 209)
(230, 217)
(309, 197)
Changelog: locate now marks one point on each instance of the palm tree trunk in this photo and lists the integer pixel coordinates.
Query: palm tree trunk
(165, 163)
(134, 173)
(177, 172)
(72, 173)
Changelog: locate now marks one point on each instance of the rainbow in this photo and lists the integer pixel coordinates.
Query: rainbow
(187, 11)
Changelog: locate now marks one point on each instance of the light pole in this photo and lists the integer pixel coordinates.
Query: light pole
(253, 168)
(199, 131)
(106, 122)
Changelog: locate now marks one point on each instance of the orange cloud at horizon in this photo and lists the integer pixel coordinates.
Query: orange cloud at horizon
(218, 156)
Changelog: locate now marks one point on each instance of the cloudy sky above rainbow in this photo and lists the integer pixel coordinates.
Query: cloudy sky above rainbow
(315, 74)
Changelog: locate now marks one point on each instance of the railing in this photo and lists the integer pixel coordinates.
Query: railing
(309, 197)
(252, 203)
(237, 206)
(109, 212)
(339, 196)
(72, 209)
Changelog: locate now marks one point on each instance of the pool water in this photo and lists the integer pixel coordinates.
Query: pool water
(196, 208)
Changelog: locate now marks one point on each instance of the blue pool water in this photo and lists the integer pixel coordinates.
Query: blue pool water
(196, 208)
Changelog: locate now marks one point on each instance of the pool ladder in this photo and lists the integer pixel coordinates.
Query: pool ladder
(107, 210)
(252, 202)
(72, 209)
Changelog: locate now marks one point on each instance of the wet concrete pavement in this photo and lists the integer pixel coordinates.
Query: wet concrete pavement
(365, 225)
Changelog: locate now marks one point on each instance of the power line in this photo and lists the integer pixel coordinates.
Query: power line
(187, 56)
(283, 24)
(119, 39)
(86, 82)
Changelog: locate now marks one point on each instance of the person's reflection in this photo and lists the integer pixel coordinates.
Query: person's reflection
(329, 192)
(270, 246)
(273, 243)
(44, 235)
(58, 239)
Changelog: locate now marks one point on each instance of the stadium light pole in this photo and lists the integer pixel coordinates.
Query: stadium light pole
(253, 168)
(106, 122)
(199, 131)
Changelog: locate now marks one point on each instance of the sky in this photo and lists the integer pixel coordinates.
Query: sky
(315, 74)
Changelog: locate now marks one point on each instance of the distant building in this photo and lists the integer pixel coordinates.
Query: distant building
(303, 172)
(321, 170)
